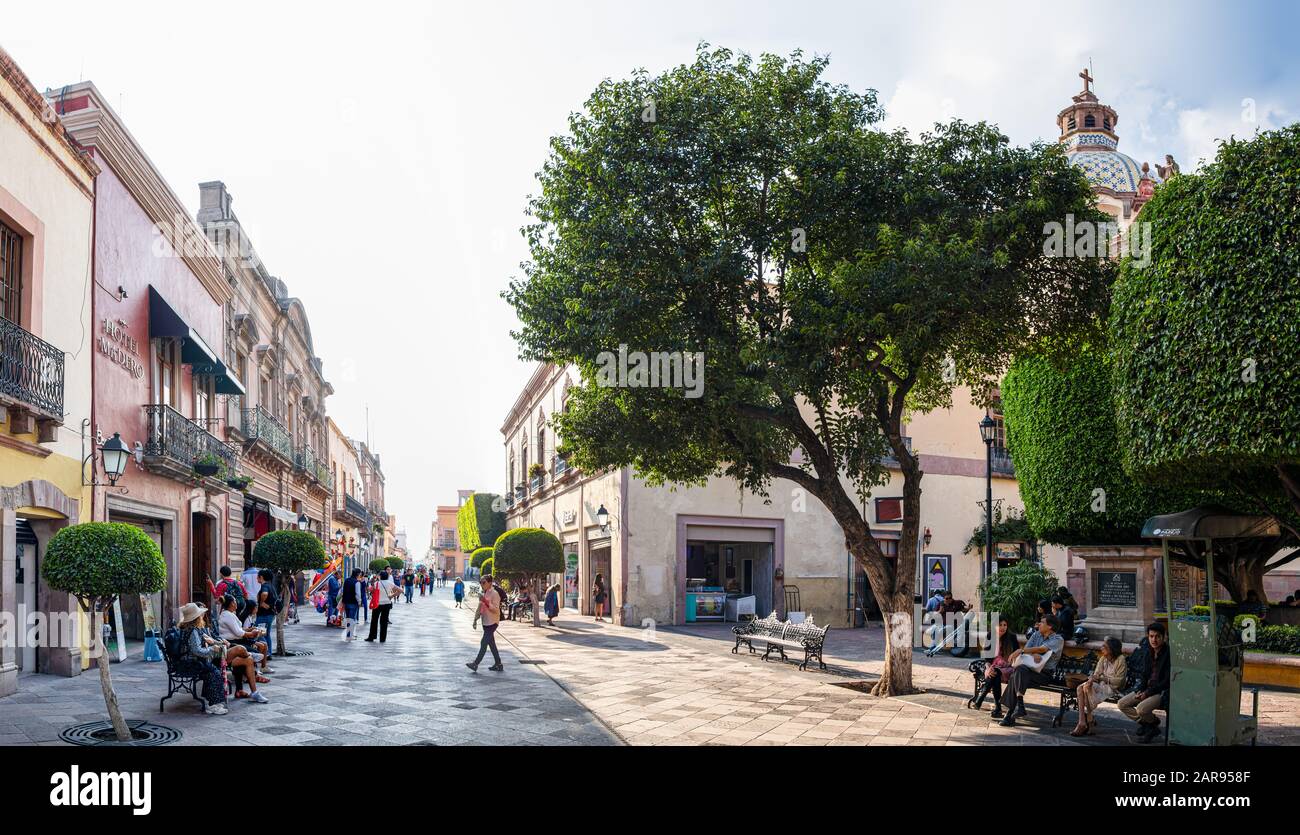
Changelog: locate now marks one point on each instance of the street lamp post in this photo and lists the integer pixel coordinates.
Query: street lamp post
(987, 432)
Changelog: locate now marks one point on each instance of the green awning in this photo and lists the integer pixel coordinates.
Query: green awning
(166, 323)
(223, 381)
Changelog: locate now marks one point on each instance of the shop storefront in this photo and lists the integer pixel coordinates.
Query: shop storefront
(728, 568)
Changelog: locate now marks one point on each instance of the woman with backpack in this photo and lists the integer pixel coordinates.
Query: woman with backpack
(201, 653)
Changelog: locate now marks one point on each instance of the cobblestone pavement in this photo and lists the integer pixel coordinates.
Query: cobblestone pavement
(577, 683)
(684, 686)
(414, 689)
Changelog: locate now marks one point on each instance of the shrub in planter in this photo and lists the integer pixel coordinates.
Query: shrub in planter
(288, 552)
(208, 464)
(1015, 591)
(1280, 638)
(529, 554)
(96, 563)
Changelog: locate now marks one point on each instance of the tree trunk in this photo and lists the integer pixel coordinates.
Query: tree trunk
(896, 678)
(106, 685)
(1242, 577)
(537, 600)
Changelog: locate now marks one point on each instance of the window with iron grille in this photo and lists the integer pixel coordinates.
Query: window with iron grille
(11, 275)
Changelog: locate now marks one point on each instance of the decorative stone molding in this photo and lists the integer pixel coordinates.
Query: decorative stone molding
(42, 494)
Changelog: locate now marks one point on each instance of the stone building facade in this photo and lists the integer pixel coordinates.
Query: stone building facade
(46, 214)
(279, 424)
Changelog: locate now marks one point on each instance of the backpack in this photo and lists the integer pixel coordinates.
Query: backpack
(172, 643)
(235, 589)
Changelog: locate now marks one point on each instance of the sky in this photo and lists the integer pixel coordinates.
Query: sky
(381, 155)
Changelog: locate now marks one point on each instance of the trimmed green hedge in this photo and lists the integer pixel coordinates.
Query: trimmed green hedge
(379, 564)
(528, 552)
(101, 560)
(289, 552)
(479, 556)
(396, 563)
(1277, 639)
(1204, 336)
(1064, 444)
(477, 524)
(487, 566)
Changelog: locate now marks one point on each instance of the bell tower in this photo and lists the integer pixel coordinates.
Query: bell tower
(1086, 122)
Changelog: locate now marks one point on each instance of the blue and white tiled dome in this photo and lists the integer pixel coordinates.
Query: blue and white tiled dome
(1109, 169)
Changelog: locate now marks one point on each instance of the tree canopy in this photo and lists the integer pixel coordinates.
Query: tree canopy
(832, 275)
(98, 561)
(476, 559)
(289, 551)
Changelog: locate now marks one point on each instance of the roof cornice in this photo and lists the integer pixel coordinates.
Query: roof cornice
(543, 373)
(98, 126)
(43, 125)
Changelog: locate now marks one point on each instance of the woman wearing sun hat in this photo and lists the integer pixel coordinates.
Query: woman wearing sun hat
(201, 651)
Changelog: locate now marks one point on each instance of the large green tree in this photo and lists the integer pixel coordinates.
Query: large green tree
(833, 276)
(480, 520)
(1204, 337)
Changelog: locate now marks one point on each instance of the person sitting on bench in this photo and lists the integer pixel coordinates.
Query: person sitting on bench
(1153, 692)
(1046, 641)
(1106, 679)
(998, 671)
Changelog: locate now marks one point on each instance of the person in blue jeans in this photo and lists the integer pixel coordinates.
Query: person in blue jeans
(266, 600)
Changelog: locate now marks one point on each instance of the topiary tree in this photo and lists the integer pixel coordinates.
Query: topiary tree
(477, 558)
(378, 564)
(287, 553)
(1015, 591)
(97, 562)
(1061, 432)
(480, 521)
(1203, 339)
(396, 563)
(529, 554)
(487, 567)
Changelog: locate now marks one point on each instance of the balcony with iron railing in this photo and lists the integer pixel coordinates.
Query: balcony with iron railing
(261, 426)
(31, 377)
(174, 443)
(351, 510)
(307, 461)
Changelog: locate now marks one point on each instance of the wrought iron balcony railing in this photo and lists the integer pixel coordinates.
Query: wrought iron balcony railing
(174, 443)
(31, 371)
(309, 462)
(561, 465)
(261, 425)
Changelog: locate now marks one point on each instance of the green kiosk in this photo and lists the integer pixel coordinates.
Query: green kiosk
(1207, 652)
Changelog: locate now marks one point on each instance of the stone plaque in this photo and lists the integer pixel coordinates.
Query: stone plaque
(1117, 589)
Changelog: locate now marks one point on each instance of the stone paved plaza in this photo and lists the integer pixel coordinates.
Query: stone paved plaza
(578, 683)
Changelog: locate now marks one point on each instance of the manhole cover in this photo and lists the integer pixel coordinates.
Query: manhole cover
(530, 661)
(298, 653)
(101, 733)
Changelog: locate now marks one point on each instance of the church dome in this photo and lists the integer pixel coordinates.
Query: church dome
(1090, 142)
(1109, 169)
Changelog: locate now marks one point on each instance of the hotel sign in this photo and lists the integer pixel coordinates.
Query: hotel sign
(120, 347)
